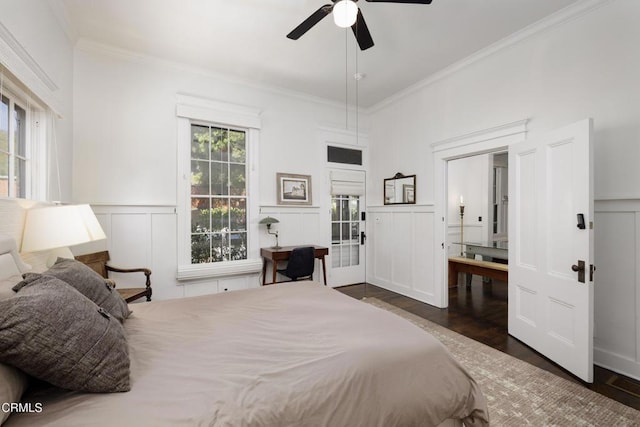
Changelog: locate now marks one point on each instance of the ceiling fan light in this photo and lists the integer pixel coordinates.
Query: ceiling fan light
(345, 13)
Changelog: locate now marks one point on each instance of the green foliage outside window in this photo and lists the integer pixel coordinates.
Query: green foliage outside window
(218, 187)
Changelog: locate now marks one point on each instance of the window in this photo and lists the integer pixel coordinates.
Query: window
(22, 158)
(345, 230)
(218, 194)
(13, 144)
(218, 189)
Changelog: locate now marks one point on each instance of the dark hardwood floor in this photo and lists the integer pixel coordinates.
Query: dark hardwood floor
(480, 313)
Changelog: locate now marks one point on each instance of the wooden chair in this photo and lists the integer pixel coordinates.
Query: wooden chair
(98, 262)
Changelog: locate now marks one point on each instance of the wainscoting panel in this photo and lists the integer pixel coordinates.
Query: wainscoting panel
(400, 250)
(146, 236)
(617, 286)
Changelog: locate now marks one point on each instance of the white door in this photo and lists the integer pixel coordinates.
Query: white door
(347, 252)
(551, 188)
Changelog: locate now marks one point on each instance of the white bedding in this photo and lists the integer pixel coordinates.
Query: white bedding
(293, 354)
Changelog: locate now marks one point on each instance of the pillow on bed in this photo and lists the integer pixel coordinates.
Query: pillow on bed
(91, 285)
(12, 384)
(6, 286)
(51, 331)
(12, 381)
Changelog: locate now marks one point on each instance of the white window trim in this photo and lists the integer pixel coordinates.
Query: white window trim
(190, 109)
(37, 148)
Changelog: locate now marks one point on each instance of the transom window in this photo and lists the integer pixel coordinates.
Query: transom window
(218, 194)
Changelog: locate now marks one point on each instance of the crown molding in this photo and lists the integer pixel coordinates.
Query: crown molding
(19, 62)
(552, 21)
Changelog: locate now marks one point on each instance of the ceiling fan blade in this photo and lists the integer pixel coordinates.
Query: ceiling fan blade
(308, 23)
(361, 31)
(401, 1)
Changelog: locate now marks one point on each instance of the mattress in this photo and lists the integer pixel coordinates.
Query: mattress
(291, 354)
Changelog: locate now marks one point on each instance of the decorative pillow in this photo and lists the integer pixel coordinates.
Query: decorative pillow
(51, 331)
(6, 286)
(91, 285)
(12, 381)
(12, 384)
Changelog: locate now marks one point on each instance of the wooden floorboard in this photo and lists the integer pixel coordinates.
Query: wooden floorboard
(480, 313)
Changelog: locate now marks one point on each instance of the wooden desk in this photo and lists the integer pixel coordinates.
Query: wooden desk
(283, 253)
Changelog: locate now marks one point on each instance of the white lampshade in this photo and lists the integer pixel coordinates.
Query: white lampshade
(60, 226)
(345, 13)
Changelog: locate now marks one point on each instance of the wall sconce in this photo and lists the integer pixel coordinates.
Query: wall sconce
(268, 221)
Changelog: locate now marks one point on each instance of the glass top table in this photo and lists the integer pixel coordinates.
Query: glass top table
(498, 249)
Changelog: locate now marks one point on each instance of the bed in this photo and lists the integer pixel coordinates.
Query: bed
(292, 354)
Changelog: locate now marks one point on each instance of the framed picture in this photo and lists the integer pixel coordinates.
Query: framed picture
(293, 189)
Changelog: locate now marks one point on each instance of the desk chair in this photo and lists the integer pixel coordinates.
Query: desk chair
(301, 264)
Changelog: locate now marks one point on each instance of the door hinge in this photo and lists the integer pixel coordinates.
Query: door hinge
(592, 268)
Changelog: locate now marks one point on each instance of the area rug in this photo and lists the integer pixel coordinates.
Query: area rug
(520, 394)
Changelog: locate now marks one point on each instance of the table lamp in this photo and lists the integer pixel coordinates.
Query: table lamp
(55, 228)
(268, 221)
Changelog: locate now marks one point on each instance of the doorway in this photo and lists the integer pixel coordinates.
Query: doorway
(477, 211)
(490, 141)
(347, 252)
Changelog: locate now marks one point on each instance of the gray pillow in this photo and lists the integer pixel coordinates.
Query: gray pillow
(52, 332)
(91, 285)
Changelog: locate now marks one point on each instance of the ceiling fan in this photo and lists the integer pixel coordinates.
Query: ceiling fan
(345, 14)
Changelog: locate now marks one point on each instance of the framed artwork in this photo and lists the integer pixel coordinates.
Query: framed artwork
(293, 189)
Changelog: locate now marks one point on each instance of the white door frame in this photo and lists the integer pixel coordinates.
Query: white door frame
(498, 138)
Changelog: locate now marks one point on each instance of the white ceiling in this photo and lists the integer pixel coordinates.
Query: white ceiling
(246, 39)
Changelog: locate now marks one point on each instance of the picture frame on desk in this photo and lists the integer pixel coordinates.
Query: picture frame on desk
(293, 189)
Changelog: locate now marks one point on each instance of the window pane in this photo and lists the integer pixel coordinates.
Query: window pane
(354, 202)
(238, 246)
(355, 255)
(200, 222)
(199, 177)
(238, 214)
(335, 256)
(335, 216)
(237, 146)
(20, 178)
(219, 249)
(4, 125)
(4, 175)
(20, 131)
(200, 248)
(355, 231)
(220, 214)
(345, 210)
(238, 185)
(345, 231)
(200, 138)
(220, 144)
(335, 232)
(219, 179)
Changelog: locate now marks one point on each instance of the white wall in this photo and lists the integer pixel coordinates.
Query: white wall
(586, 67)
(125, 156)
(36, 49)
